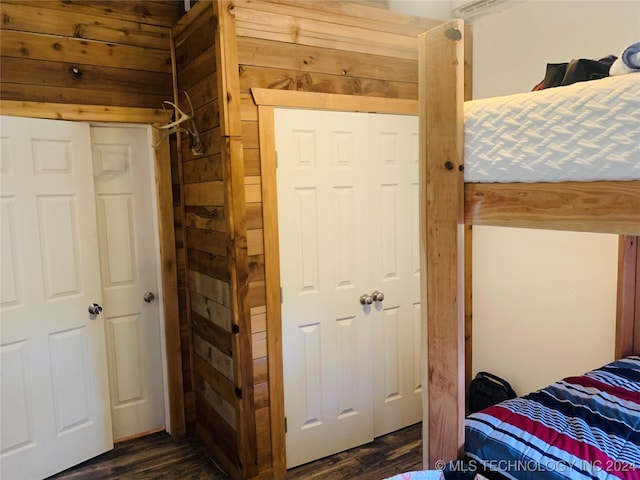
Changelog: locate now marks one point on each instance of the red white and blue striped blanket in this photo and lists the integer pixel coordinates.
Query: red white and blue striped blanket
(584, 427)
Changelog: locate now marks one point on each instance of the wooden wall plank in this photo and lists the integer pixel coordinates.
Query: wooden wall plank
(58, 74)
(164, 14)
(281, 79)
(203, 169)
(346, 14)
(66, 96)
(442, 231)
(302, 58)
(256, 267)
(206, 218)
(199, 69)
(212, 333)
(212, 288)
(212, 265)
(205, 194)
(263, 435)
(30, 16)
(286, 28)
(221, 383)
(190, 45)
(73, 50)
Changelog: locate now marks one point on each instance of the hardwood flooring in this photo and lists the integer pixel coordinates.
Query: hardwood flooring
(160, 456)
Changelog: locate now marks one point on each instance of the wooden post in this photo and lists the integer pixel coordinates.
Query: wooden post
(441, 95)
(628, 305)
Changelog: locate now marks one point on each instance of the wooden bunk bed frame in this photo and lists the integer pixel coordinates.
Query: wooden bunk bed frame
(447, 204)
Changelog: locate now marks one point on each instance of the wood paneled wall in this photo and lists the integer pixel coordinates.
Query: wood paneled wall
(216, 268)
(87, 52)
(324, 47)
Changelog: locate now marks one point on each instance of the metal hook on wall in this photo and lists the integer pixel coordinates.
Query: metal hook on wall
(197, 147)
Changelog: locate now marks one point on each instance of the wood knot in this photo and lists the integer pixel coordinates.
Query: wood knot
(78, 31)
(448, 165)
(453, 34)
(75, 73)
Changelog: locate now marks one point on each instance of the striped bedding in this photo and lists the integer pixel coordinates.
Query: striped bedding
(582, 427)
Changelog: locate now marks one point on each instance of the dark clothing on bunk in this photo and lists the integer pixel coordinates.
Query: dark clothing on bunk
(580, 70)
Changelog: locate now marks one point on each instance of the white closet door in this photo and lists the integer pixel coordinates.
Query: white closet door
(123, 180)
(395, 259)
(55, 398)
(345, 192)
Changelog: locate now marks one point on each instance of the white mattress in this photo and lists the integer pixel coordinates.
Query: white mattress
(583, 132)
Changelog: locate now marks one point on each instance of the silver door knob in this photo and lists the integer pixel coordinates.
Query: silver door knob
(149, 297)
(377, 296)
(365, 299)
(95, 309)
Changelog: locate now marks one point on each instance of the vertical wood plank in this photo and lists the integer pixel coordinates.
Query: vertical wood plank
(169, 282)
(272, 275)
(441, 77)
(628, 302)
(227, 66)
(468, 235)
(181, 239)
(239, 284)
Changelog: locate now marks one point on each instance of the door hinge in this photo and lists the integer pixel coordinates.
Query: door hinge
(238, 392)
(281, 296)
(285, 424)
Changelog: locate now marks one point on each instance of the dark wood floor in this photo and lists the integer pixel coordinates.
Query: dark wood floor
(160, 456)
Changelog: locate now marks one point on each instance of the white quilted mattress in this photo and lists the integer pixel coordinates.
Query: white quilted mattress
(583, 132)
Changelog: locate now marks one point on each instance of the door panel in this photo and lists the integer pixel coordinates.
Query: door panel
(123, 179)
(346, 183)
(395, 261)
(326, 332)
(54, 388)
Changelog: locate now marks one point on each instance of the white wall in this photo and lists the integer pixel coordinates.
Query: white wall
(438, 9)
(544, 302)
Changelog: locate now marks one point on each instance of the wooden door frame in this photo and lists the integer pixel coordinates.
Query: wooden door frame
(167, 270)
(267, 100)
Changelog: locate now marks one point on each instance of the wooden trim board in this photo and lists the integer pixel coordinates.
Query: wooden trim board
(331, 101)
(82, 113)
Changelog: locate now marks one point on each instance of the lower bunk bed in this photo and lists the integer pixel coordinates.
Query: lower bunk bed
(582, 427)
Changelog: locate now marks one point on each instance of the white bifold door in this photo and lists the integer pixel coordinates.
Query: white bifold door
(57, 254)
(349, 250)
(55, 391)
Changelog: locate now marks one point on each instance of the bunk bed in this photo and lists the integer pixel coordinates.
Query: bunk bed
(456, 191)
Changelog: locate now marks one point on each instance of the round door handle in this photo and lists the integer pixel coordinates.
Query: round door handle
(377, 296)
(149, 297)
(365, 299)
(94, 309)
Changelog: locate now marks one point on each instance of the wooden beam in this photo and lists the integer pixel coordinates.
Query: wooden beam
(227, 68)
(628, 304)
(330, 101)
(82, 113)
(604, 207)
(272, 284)
(169, 282)
(441, 77)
